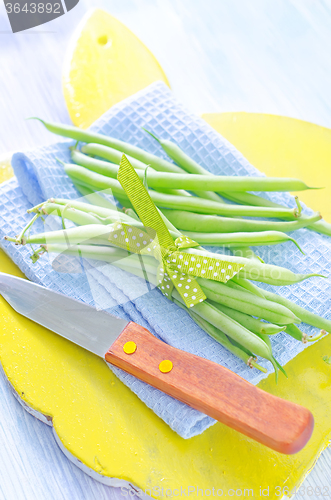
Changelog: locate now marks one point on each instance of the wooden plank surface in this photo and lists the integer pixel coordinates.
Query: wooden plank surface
(227, 55)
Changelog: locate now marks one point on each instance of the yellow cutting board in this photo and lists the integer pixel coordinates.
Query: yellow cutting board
(98, 422)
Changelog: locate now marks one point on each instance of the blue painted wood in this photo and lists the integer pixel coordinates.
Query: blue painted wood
(229, 55)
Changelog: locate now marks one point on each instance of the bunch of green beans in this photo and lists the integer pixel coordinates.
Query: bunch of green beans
(253, 270)
(244, 198)
(191, 200)
(159, 164)
(112, 154)
(230, 240)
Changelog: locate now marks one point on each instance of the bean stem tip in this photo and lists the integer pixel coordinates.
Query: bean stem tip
(150, 133)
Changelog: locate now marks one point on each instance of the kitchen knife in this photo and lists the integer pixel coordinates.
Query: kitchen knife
(202, 384)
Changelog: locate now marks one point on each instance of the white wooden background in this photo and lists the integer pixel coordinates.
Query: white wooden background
(270, 56)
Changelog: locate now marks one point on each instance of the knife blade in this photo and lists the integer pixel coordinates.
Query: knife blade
(202, 384)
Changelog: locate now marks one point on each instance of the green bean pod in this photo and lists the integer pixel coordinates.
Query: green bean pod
(257, 271)
(296, 333)
(247, 285)
(320, 226)
(96, 234)
(238, 350)
(274, 275)
(111, 154)
(226, 183)
(82, 218)
(247, 303)
(77, 216)
(304, 315)
(249, 322)
(230, 327)
(87, 136)
(231, 240)
(195, 222)
(95, 209)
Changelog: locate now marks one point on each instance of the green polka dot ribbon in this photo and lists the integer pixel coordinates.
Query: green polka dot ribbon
(176, 269)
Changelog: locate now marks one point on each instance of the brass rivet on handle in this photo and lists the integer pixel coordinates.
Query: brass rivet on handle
(129, 347)
(165, 366)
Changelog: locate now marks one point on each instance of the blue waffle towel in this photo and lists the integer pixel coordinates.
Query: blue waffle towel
(39, 177)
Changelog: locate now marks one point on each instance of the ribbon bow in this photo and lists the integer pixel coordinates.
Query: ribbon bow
(176, 268)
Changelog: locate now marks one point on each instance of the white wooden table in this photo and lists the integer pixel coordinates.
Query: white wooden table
(219, 55)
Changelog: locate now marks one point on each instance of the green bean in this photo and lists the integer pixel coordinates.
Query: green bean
(222, 339)
(227, 183)
(297, 334)
(102, 212)
(230, 327)
(231, 240)
(191, 166)
(111, 155)
(204, 206)
(94, 233)
(90, 178)
(252, 324)
(274, 275)
(320, 226)
(84, 186)
(277, 366)
(256, 271)
(247, 253)
(157, 163)
(304, 315)
(77, 216)
(115, 156)
(99, 166)
(247, 303)
(111, 170)
(88, 136)
(247, 285)
(187, 221)
(84, 217)
(231, 283)
(100, 182)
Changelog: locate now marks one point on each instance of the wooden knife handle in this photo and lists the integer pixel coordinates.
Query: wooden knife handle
(214, 390)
